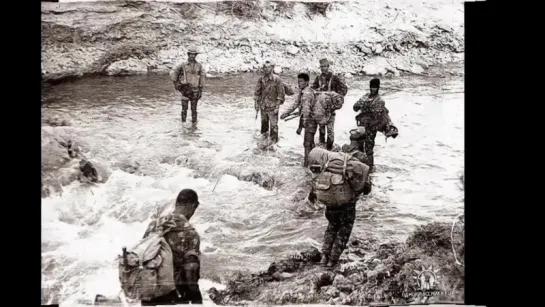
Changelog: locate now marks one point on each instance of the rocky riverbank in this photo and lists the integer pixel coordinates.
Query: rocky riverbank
(369, 272)
(136, 37)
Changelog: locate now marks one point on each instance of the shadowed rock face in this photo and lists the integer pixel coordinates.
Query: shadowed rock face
(369, 272)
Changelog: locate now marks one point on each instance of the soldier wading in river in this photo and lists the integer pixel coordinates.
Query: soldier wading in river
(305, 102)
(268, 96)
(327, 82)
(188, 79)
(338, 180)
(374, 117)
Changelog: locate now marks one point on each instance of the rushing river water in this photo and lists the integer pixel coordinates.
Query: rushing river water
(243, 226)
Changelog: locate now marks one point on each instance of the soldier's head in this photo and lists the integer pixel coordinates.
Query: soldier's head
(302, 80)
(187, 202)
(268, 67)
(192, 54)
(374, 86)
(324, 65)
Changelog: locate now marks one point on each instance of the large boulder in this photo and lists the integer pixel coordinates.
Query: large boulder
(56, 148)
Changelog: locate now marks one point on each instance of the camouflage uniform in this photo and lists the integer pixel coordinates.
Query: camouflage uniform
(185, 242)
(304, 101)
(373, 116)
(322, 83)
(269, 94)
(194, 76)
(341, 221)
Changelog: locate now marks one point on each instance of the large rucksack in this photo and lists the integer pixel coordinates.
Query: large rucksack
(341, 178)
(325, 103)
(146, 271)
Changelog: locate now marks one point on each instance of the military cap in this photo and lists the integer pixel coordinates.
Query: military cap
(324, 61)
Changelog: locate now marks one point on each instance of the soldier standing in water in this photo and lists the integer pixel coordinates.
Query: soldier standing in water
(327, 82)
(269, 94)
(374, 117)
(188, 78)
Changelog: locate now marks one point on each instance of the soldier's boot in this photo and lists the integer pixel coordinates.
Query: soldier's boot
(324, 261)
(371, 160)
(194, 117)
(332, 263)
(184, 115)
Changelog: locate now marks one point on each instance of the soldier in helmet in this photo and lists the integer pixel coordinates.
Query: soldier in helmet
(188, 78)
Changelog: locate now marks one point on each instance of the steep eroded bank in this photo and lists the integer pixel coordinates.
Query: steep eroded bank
(132, 37)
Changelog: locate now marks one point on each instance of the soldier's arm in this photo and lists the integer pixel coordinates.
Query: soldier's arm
(305, 102)
(316, 83)
(175, 73)
(281, 91)
(341, 87)
(296, 104)
(191, 267)
(258, 90)
(201, 77)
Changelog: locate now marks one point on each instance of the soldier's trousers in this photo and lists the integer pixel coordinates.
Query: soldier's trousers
(185, 105)
(341, 221)
(308, 141)
(369, 145)
(330, 129)
(269, 123)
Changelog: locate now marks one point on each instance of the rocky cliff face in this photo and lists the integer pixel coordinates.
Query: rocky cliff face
(129, 37)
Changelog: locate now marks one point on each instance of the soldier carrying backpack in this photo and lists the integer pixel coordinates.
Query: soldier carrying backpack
(338, 180)
(164, 267)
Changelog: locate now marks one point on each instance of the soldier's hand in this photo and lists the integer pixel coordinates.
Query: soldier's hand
(283, 115)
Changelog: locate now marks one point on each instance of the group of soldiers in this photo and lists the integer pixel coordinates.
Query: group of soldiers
(269, 95)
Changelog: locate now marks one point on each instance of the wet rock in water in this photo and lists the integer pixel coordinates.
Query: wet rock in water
(131, 166)
(57, 148)
(262, 179)
(56, 121)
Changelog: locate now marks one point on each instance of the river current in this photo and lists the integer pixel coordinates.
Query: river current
(243, 225)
